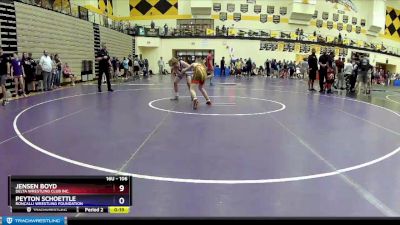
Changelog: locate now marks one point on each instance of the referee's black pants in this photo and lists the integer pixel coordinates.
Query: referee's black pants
(322, 77)
(107, 72)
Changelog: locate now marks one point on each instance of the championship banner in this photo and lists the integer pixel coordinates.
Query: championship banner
(339, 26)
(346, 41)
(335, 17)
(210, 32)
(354, 20)
(315, 15)
(362, 22)
(325, 15)
(345, 19)
(283, 11)
(319, 23)
(297, 47)
(230, 7)
(237, 17)
(217, 7)
(281, 46)
(285, 47)
(276, 19)
(223, 16)
(244, 8)
(270, 9)
(349, 28)
(274, 34)
(329, 25)
(263, 18)
(257, 9)
(358, 29)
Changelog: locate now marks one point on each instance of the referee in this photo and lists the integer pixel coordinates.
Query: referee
(104, 66)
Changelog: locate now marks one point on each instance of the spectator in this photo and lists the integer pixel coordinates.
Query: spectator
(130, 64)
(340, 75)
(313, 68)
(152, 24)
(249, 65)
(68, 74)
(17, 72)
(29, 65)
(268, 67)
(223, 30)
(165, 30)
(146, 66)
(223, 66)
(136, 67)
(323, 63)
(126, 67)
(46, 66)
(4, 74)
(161, 66)
(53, 70)
(57, 79)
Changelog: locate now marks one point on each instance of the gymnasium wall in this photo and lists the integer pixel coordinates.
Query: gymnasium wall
(251, 20)
(118, 44)
(222, 47)
(39, 29)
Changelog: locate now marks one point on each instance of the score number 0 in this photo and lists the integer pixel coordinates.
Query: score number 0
(121, 200)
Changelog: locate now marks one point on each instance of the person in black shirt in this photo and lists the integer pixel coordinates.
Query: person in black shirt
(323, 63)
(313, 68)
(4, 74)
(104, 66)
(223, 66)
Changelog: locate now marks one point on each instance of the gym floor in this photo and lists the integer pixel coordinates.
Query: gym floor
(266, 147)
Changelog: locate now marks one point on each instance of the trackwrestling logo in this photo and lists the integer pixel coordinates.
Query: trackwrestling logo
(33, 220)
(9, 220)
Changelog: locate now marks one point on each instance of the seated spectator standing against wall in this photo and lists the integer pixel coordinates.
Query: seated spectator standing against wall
(340, 76)
(136, 67)
(46, 65)
(17, 72)
(125, 64)
(57, 79)
(104, 67)
(28, 64)
(4, 74)
(161, 66)
(68, 74)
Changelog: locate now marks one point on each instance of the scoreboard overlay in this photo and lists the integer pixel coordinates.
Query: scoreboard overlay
(69, 194)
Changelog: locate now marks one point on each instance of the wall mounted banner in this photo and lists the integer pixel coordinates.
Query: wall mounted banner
(217, 7)
(291, 47)
(270, 9)
(285, 47)
(329, 25)
(340, 26)
(340, 12)
(319, 23)
(315, 15)
(362, 22)
(280, 46)
(244, 8)
(297, 47)
(276, 19)
(358, 29)
(345, 19)
(237, 17)
(335, 17)
(230, 7)
(263, 18)
(223, 16)
(251, 1)
(325, 15)
(283, 11)
(354, 20)
(257, 9)
(349, 28)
